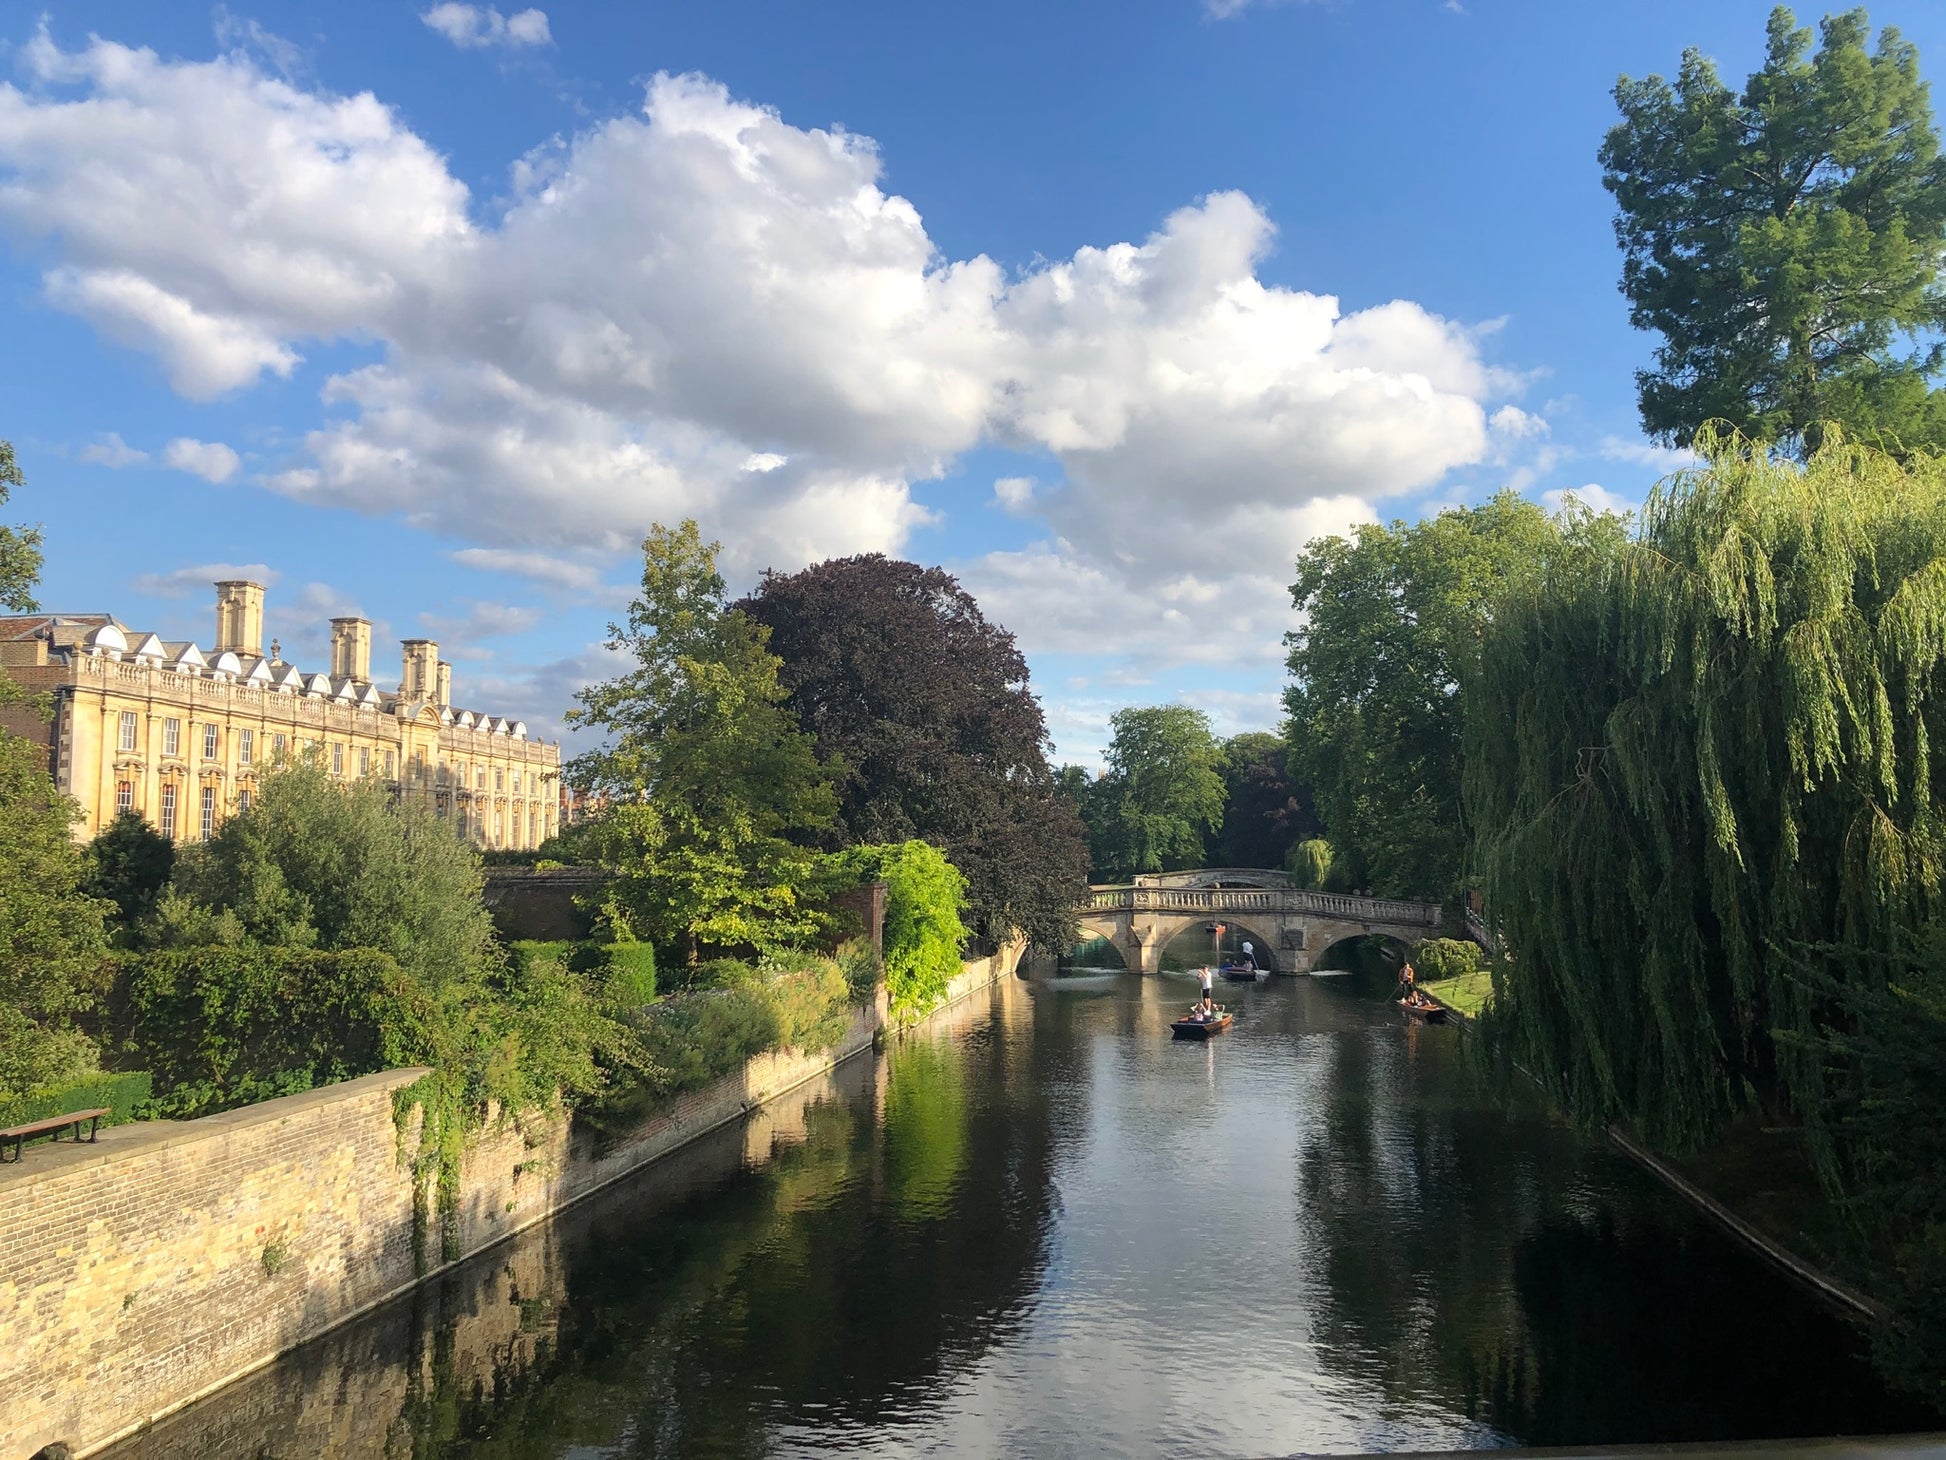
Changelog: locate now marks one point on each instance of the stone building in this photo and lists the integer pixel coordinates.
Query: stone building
(181, 734)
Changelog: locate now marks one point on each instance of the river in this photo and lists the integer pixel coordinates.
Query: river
(1045, 1229)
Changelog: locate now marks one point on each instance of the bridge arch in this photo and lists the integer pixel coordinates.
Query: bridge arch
(1263, 941)
(1392, 947)
(1291, 927)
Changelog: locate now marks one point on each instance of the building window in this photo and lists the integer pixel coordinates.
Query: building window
(337, 760)
(533, 828)
(482, 778)
(127, 742)
(499, 829)
(516, 783)
(209, 812)
(172, 737)
(246, 746)
(499, 779)
(169, 811)
(364, 760)
(209, 742)
(277, 745)
(124, 796)
(391, 765)
(243, 802)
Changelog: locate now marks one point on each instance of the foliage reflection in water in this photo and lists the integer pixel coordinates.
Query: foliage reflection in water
(1050, 1231)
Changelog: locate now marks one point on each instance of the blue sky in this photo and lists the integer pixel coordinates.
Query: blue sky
(429, 311)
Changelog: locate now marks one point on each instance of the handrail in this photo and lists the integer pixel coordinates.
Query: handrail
(1255, 900)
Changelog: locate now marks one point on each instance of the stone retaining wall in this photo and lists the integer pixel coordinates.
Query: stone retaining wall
(143, 1272)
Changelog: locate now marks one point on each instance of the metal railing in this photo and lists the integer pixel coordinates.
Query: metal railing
(1250, 900)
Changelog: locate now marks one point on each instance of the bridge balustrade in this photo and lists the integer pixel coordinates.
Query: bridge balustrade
(1245, 900)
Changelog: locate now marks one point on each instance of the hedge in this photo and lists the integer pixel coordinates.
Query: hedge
(119, 1093)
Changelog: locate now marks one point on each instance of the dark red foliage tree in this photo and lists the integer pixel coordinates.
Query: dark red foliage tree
(922, 710)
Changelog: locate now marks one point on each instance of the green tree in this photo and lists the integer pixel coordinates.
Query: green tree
(130, 863)
(1265, 812)
(51, 931)
(1695, 749)
(321, 863)
(20, 547)
(1391, 626)
(718, 793)
(1163, 795)
(923, 711)
(1787, 242)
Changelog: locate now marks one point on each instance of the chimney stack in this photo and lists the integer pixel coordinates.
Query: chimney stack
(443, 686)
(240, 618)
(421, 680)
(351, 649)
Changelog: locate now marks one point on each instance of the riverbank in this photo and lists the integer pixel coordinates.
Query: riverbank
(171, 1258)
(1755, 1182)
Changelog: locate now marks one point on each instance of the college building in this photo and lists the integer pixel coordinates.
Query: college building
(181, 734)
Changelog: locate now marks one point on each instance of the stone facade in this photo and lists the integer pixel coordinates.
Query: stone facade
(168, 1259)
(181, 734)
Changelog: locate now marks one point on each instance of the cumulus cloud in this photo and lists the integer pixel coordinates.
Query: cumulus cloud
(199, 580)
(472, 27)
(578, 577)
(703, 310)
(1643, 453)
(1013, 494)
(111, 451)
(210, 460)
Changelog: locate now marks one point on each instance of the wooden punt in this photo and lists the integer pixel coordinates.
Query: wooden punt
(1200, 1028)
(1424, 1013)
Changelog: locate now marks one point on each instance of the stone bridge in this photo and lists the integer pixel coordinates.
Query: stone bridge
(1289, 927)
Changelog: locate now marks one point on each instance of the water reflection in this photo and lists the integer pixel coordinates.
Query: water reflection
(1052, 1231)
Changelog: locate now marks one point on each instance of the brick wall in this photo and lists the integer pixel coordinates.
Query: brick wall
(133, 1272)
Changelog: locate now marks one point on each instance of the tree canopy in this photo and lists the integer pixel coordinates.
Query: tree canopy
(716, 795)
(51, 931)
(922, 711)
(20, 547)
(1391, 624)
(321, 863)
(1786, 242)
(1162, 797)
(1265, 812)
(1707, 746)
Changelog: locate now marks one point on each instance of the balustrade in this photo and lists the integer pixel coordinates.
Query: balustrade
(1248, 900)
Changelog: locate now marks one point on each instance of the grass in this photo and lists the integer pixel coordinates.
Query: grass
(1468, 993)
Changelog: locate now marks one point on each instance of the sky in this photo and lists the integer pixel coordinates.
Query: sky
(426, 311)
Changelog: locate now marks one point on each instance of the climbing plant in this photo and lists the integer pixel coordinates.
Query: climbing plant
(1687, 750)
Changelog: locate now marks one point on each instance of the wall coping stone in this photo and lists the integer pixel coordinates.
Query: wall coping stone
(115, 1143)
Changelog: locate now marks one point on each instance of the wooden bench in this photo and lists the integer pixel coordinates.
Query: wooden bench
(20, 1134)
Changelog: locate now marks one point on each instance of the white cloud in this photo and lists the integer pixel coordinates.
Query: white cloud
(704, 310)
(1013, 494)
(111, 451)
(210, 460)
(201, 579)
(1643, 453)
(1591, 495)
(566, 573)
(463, 634)
(473, 26)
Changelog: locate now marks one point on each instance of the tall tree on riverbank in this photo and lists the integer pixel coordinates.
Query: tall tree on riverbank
(20, 547)
(1691, 752)
(1787, 243)
(1162, 798)
(715, 794)
(1391, 625)
(923, 711)
(1265, 812)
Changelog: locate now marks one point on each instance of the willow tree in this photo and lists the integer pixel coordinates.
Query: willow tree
(1696, 755)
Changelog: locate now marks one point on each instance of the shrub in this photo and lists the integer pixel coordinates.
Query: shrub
(121, 1094)
(224, 1021)
(1438, 958)
(924, 896)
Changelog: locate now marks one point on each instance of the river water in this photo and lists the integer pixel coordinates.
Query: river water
(1045, 1229)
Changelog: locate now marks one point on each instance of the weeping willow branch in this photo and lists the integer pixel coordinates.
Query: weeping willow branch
(1688, 749)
